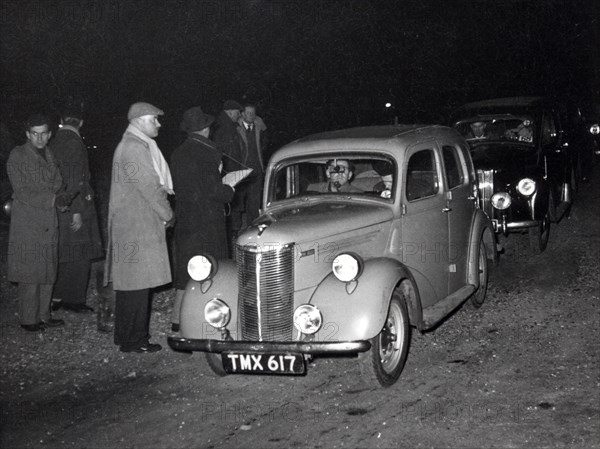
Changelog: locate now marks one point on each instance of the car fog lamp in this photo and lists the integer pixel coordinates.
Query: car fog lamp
(501, 200)
(307, 319)
(200, 268)
(595, 129)
(217, 313)
(346, 267)
(526, 186)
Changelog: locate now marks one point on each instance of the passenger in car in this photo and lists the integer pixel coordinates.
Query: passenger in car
(386, 171)
(522, 132)
(339, 174)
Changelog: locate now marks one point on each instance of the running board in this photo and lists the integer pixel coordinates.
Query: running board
(435, 313)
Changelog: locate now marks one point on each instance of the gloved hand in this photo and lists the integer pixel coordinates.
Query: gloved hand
(63, 201)
(170, 223)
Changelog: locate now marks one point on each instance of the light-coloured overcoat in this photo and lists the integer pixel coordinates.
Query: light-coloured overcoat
(33, 235)
(137, 256)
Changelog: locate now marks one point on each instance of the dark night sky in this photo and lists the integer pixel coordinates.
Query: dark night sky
(311, 65)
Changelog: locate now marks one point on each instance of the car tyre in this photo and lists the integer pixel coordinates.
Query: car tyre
(215, 363)
(539, 235)
(478, 297)
(389, 350)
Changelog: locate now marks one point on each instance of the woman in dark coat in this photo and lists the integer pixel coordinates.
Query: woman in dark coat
(200, 196)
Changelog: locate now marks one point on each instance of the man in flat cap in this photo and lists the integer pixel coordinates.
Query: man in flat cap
(201, 195)
(138, 213)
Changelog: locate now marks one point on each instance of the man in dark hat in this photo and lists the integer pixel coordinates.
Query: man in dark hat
(33, 235)
(228, 140)
(79, 236)
(201, 194)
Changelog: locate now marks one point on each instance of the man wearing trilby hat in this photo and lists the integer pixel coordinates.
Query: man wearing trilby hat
(201, 195)
(138, 213)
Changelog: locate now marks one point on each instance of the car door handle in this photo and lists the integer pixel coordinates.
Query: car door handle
(446, 209)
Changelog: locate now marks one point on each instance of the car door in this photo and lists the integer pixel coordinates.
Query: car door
(425, 222)
(459, 202)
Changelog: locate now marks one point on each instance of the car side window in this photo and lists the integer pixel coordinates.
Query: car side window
(548, 129)
(421, 175)
(454, 171)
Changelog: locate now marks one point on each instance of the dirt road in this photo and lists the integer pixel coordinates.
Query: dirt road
(522, 371)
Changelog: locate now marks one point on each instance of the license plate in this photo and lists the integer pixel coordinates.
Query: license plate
(252, 363)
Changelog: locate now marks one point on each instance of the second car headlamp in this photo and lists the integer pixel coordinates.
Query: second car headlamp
(526, 186)
(501, 200)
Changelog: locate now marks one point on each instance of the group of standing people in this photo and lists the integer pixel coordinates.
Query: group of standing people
(54, 234)
(139, 207)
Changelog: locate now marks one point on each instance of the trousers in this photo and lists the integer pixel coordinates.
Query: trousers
(132, 318)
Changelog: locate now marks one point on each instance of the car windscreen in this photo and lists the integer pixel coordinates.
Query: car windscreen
(505, 128)
(333, 174)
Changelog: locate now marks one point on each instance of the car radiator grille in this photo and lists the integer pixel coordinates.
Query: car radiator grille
(486, 190)
(266, 292)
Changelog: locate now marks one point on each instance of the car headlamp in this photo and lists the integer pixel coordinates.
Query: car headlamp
(7, 207)
(526, 186)
(501, 200)
(201, 268)
(307, 319)
(217, 313)
(595, 129)
(347, 267)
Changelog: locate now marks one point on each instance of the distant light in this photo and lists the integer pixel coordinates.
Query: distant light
(388, 105)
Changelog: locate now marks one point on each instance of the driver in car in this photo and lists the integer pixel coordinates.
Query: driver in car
(339, 174)
(477, 131)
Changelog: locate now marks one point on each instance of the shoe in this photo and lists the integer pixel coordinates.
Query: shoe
(148, 347)
(32, 327)
(52, 322)
(77, 308)
(175, 327)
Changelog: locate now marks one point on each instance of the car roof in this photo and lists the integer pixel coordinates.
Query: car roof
(379, 138)
(504, 102)
(497, 107)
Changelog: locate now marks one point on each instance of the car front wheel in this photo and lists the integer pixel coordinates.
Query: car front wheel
(479, 295)
(539, 235)
(389, 350)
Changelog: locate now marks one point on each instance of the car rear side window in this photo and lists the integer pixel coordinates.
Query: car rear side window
(454, 172)
(421, 175)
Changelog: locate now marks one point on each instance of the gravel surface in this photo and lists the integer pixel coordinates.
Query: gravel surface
(521, 371)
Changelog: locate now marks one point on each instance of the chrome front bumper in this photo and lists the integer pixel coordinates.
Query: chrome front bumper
(505, 227)
(303, 347)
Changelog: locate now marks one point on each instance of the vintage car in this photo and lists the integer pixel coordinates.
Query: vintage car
(337, 269)
(528, 171)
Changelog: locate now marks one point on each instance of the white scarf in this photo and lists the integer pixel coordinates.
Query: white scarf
(158, 161)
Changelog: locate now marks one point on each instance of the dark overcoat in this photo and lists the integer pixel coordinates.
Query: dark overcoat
(71, 156)
(200, 196)
(33, 234)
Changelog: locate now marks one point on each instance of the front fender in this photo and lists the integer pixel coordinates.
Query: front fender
(224, 287)
(359, 314)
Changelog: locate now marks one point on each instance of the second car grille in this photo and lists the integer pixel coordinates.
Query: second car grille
(486, 190)
(266, 292)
